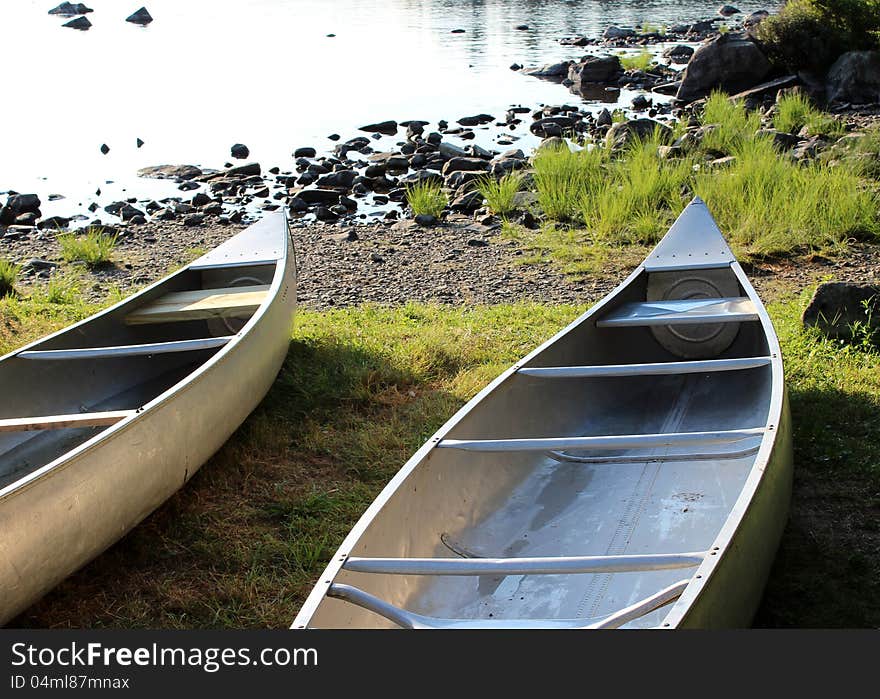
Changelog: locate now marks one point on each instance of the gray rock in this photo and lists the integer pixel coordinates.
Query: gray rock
(389, 128)
(837, 307)
(680, 53)
(200, 199)
(732, 62)
(67, 9)
(552, 126)
(343, 179)
(594, 69)
(614, 32)
(604, 118)
(53, 223)
(162, 172)
(549, 70)
(465, 164)
(239, 151)
(855, 78)
(38, 265)
(467, 202)
(306, 152)
(319, 196)
(425, 220)
(447, 150)
(477, 120)
(194, 220)
(81, 23)
(623, 133)
(727, 10)
(141, 17)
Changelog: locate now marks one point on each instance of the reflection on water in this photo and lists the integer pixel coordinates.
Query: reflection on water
(209, 73)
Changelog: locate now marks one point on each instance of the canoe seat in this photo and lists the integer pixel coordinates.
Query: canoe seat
(680, 312)
(204, 304)
(127, 350)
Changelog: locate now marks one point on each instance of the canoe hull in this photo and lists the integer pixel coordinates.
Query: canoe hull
(734, 590)
(58, 522)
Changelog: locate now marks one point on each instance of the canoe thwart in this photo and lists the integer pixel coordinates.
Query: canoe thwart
(681, 312)
(238, 301)
(653, 369)
(620, 441)
(554, 565)
(410, 620)
(59, 422)
(653, 458)
(128, 350)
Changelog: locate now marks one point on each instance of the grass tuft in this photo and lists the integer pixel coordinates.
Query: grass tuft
(500, 194)
(8, 276)
(92, 247)
(426, 198)
(795, 112)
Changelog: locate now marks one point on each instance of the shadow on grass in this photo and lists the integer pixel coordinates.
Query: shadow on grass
(242, 543)
(827, 570)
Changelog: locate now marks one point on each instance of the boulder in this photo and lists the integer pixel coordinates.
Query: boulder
(18, 204)
(732, 62)
(625, 132)
(552, 126)
(837, 307)
(141, 17)
(854, 78)
(680, 53)
(594, 69)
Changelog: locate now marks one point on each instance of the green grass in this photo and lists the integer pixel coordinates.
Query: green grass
(765, 204)
(637, 61)
(8, 276)
(243, 542)
(561, 177)
(92, 247)
(728, 124)
(796, 111)
(500, 194)
(426, 198)
(27, 318)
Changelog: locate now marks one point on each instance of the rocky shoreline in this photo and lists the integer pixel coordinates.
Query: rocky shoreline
(348, 207)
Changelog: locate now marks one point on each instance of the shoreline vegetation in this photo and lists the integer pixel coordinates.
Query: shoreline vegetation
(788, 164)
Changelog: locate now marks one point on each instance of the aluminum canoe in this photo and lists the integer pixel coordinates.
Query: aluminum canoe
(634, 471)
(102, 422)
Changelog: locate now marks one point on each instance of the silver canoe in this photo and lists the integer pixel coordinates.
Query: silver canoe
(634, 471)
(101, 422)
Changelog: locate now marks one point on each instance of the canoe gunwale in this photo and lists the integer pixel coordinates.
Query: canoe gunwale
(178, 389)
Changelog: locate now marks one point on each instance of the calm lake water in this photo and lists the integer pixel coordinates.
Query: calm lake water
(209, 73)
